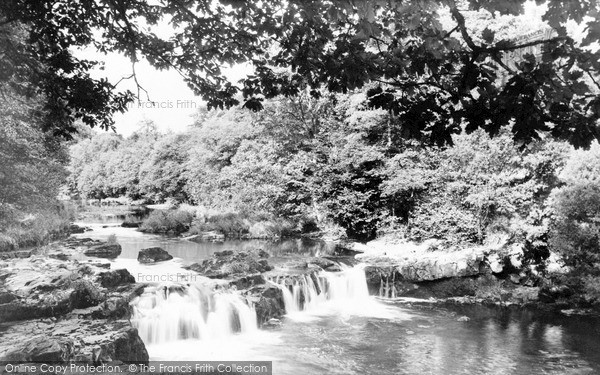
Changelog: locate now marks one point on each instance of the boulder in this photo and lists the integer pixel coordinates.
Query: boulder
(74, 229)
(153, 255)
(111, 279)
(268, 303)
(6, 297)
(128, 224)
(228, 264)
(428, 266)
(73, 340)
(104, 251)
(38, 349)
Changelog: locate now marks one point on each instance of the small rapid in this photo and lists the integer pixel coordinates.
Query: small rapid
(174, 312)
(312, 290)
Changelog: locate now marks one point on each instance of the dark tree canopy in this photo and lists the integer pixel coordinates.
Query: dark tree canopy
(435, 73)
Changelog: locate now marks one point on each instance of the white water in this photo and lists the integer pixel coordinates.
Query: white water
(387, 288)
(172, 312)
(342, 293)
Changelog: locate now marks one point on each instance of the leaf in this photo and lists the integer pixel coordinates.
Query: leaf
(488, 35)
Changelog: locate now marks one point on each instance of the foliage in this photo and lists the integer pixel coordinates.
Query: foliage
(576, 233)
(353, 170)
(37, 229)
(167, 221)
(439, 68)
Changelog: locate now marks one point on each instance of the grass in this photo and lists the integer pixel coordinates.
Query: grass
(36, 229)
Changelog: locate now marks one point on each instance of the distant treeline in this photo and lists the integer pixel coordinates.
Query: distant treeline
(336, 161)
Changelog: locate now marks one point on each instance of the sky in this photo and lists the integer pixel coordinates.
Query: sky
(170, 103)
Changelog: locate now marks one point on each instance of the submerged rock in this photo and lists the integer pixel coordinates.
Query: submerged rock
(153, 255)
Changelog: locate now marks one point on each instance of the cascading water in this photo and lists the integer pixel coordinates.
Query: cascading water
(387, 287)
(175, 312)
(308, 291)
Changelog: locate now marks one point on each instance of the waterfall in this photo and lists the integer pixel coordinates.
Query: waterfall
(174, 312)
(308, 291)
(387, 288)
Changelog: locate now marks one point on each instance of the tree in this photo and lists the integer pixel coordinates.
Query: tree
(576, 226)
(436, 71)
(33, 163)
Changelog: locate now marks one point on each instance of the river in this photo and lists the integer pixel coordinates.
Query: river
(348, 332)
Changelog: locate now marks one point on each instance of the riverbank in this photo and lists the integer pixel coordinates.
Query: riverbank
(55, 307)
(489, 275)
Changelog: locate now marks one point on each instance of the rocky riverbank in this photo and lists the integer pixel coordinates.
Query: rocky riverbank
(56, 308)
(495, 275)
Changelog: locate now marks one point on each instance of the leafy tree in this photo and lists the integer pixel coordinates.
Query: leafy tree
(162, 173)
(33, 163)
(437, 70)
(576, 228)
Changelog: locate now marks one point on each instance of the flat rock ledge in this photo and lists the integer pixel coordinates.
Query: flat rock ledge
(55, 308)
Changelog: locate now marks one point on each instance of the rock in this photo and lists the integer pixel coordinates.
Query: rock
(115, 278)
(272, 323)
(51, 300)
(325, 263)
(38, 349)
(496, 263)
(127, 224)
(227, 264)
(514, 278)
(127, 346)
(73, 340)
(85, 294)
(553, 293)
(268, 302)
(246, 282)
(463, 319)
(19, 254)
(74, 228)
(104, 251)
(6, 297)
(153, 255)
(207, 237)
(429, 266)
(59, 256)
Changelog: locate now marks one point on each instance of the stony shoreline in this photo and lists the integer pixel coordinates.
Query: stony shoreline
(54, 308)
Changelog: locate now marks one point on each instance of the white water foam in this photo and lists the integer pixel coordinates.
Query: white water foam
(172, 312)
(342, 293)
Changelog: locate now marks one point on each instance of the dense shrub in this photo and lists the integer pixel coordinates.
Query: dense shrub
(576, 227)
(167, 221)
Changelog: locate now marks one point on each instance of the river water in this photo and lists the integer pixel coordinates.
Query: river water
(342, 331)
